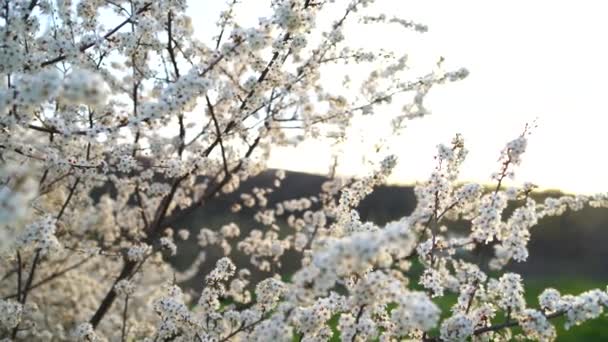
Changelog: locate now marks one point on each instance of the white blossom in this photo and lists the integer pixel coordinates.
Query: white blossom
(10, 313)
(457, 328)
(82, 86)
(535, 325)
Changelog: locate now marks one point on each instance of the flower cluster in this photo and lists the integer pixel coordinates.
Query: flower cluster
(84, 87)
(536, 325)
(40, 236)
(15, 197)
(85, 332)
(415, 312)
(10, 314)
(457, 328)
(485, 225)
(509, 291)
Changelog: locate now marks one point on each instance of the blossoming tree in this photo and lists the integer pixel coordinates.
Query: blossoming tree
(119, 97)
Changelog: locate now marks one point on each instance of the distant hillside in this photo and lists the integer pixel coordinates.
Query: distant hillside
(571, 245)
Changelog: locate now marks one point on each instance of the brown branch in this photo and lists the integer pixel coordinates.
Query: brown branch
(51, 277)
(123, 334)
(198, 203)
(224, 23)
(19, 275)
(182, 135)
(140, 203)
(131, 266)
(218, 132)
(8, 274)
(470, 303)
(30, 278)
(359, 315)
(47, 187)
(153, 228)
(28, 284)
(107, 301)
(511, 324)
(170, 44)
(158, 222)
(244, 327)
(497, 327)
(30, 8)
(170, 48)
(67, 201)
(163, 207)
(53, 130)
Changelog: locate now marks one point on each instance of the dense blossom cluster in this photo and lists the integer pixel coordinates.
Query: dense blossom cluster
(11, 313)
(116, 122)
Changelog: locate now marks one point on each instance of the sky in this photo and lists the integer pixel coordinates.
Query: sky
(542, 61)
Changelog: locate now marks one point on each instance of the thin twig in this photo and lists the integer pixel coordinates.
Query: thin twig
(28, 284)
(51, 277)
(123, 334)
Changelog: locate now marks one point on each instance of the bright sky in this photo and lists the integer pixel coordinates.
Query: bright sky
(544, 59)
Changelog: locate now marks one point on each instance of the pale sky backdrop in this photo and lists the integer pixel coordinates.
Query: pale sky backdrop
(544, 59)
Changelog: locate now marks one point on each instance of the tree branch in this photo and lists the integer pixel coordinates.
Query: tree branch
(51, 277)
(218, 132)
(108, 34)
(512, 324)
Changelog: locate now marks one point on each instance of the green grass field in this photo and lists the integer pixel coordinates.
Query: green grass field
(593, 330)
